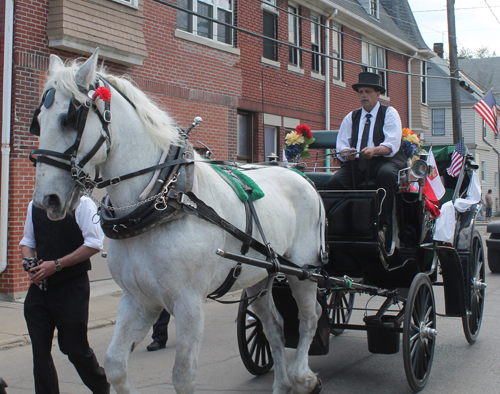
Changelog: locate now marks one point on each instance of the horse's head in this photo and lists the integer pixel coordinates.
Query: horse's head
(73, 135)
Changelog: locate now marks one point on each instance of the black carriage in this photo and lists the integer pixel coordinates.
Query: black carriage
(403, 271)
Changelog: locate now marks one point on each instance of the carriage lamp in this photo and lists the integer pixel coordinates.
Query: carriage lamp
(420, 169)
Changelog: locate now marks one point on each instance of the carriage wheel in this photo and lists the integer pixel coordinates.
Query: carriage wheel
(254, 348)
(419, 332)
(477, 271)
(340, 304)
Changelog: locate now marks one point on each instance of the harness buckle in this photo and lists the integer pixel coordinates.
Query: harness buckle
(185, 200)
(115, 180)
(107, 116)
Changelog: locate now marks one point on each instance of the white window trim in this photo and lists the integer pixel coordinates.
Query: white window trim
(184, 35)
(317, 75)
(131, 3)
(270, 62)
(297, 32)
(337, 28)
(295, 69)
(320, 49)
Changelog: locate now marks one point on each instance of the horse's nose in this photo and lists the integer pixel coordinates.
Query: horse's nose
(51, 202)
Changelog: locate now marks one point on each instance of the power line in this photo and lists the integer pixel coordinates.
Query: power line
(492, 11)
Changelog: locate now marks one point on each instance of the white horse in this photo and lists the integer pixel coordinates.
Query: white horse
(174, 266)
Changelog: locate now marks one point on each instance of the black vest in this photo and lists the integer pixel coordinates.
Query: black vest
(378, 134)
(56, 239)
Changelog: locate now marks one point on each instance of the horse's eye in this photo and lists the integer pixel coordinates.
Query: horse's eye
(63, 121)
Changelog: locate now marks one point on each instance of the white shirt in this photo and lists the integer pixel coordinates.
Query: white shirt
(93, 237)
(393, 131)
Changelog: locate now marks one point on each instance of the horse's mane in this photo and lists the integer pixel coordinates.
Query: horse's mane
(158, 123)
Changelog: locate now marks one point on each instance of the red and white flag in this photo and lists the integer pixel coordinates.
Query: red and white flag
(433, 188)
(487, 108)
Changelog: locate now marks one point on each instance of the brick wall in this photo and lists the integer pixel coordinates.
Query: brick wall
(187, 80)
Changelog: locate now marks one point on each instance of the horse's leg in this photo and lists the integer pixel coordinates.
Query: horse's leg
(272, 323)
(302, 378)
(131, 328)
(189, 312)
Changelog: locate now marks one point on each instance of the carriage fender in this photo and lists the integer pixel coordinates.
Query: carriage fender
(493, 242)
(453, 280)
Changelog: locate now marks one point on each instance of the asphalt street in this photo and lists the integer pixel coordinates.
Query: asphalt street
(349, 367)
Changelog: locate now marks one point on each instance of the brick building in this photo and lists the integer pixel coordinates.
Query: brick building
(250, 84)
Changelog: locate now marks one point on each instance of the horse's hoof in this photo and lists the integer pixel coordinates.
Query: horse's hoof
(317, 388)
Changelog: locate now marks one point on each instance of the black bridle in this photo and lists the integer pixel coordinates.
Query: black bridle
(76, 118)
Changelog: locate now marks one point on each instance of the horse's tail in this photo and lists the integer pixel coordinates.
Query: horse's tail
(323, 252)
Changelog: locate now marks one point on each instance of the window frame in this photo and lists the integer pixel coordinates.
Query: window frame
(268, 151)
(434, 122)
(192, 24)
(423, 83)
(249, 131)
(267, 44)
(375, 8)
(483, 171)
(371, 55)
(316, 47)
(336, 51)
(294, 53)
(128, 3)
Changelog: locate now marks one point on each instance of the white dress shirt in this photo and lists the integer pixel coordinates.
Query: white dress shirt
(93, 237)
(393, 131)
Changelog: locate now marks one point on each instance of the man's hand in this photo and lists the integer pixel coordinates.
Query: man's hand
(368, 153)
(349, 154)
(45, 269)
(380, 150)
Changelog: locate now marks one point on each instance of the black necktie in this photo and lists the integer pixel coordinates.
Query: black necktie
(364, 142)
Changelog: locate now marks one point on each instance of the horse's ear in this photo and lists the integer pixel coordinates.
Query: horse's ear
(86, 73)
(56, 65)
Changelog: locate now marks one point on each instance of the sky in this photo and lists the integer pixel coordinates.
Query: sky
(477, 23)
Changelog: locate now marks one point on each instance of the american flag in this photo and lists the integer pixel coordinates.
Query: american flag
(487, 108)
(457, 158)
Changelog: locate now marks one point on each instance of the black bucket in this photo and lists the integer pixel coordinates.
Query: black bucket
(383, 335)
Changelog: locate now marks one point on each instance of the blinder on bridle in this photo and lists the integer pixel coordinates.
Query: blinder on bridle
(76, 118)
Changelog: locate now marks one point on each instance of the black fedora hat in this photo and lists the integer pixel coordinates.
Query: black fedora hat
(369, 79)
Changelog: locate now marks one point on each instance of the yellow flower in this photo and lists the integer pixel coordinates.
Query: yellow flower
(413, 138)
(293, 138)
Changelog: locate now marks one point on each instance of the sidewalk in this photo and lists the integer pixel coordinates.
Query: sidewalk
(104, 298)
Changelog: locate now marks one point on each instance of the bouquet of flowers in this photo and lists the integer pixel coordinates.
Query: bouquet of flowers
(410, 143)
(297, 143)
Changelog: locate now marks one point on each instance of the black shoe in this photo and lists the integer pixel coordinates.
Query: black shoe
(153, 346)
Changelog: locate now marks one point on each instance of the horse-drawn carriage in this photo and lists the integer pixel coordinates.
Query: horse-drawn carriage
(403, 273)
(168, 210)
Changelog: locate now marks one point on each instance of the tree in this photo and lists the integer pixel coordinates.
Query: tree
(481, 53)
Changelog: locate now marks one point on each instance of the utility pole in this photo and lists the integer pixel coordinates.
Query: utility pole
(455, 88)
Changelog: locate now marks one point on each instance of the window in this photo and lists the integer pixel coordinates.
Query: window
(483, 170)
(206, 28)
(374, 6)
(374, 58)
(130, 3)
(315, 43)
(496, 180)
(244, 137)
(270, 47)
(438, 121)
(336, 48)
(293, 36)
(423, 82)
(270, 141)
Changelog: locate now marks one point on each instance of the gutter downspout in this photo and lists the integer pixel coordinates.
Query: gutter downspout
(327, 84)
(6, 128)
